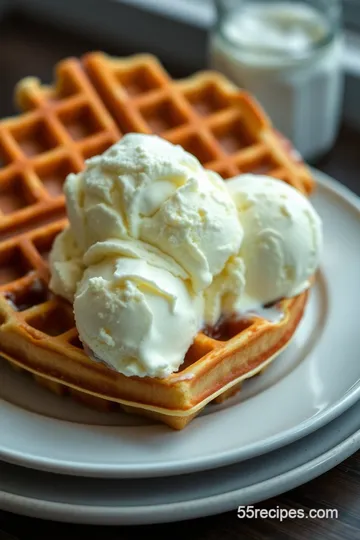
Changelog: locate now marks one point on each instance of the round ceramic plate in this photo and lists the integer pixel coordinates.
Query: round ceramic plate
(141, 501)
(312, 382)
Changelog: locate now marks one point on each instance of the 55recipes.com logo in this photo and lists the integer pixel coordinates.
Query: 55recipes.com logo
(250, 512)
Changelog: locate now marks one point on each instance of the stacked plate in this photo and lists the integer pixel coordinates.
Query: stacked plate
(301, 417)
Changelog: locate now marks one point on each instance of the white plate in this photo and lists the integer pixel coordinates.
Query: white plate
(312, 382)
(143, 501)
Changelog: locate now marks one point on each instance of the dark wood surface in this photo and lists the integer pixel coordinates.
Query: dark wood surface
(28, 48)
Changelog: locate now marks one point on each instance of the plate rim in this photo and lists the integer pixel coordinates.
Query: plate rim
(224, 458)
(202, 506)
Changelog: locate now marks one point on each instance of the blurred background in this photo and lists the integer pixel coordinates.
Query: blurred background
(36, 34)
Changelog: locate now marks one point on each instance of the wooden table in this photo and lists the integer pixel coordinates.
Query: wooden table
(29, 48)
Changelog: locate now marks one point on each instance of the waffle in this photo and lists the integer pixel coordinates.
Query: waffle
(92, 103)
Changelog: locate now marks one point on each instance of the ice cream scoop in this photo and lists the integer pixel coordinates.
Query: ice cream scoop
(138, 318)
(282, 242)
(147, 189)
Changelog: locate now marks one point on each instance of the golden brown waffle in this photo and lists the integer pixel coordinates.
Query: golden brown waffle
(206, 114)
(92, 103)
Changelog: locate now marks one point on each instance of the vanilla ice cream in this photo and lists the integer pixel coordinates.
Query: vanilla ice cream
(282, 239)
(137, 318)
(134, 307)
(158, 247)
(145, 188)
(150, 229)
(223, 297)
(66, 265)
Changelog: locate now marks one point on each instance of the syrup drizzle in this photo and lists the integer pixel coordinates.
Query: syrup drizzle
(227, 327)
(36, 294)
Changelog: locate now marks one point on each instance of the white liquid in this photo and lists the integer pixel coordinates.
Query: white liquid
(271, 51)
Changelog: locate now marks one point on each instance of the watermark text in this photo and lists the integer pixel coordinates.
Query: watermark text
(250, 512)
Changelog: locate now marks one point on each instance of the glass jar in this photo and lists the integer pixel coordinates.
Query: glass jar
(288, 55)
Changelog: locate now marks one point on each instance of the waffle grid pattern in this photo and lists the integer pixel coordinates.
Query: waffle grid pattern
(205, 114)
(60, 128)
(92, 103)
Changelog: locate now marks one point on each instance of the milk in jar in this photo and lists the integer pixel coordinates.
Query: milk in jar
(288, 55)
